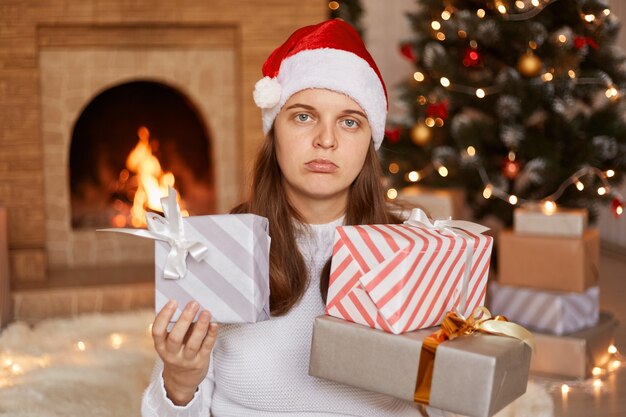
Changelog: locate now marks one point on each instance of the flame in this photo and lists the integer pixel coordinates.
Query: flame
(152, 182)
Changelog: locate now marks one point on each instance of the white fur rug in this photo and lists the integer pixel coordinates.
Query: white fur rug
(99, 365)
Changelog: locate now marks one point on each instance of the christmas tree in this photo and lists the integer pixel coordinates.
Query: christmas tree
(517, 102)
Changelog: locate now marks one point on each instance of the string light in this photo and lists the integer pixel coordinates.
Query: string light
(445, 15)
(480, 13)
(571, 74)
(429, 121)
(443, 171)
(601, 191)
(596, 371)
(333, 5)
(520, 4)
(441, 36)
(564, 388)
(562, 38)
(549, 207)
(606, 12)
(590, 18)
(435, 25)
(579, 185)
(392, 193)
(487, 191)
(414, 176)
(480, 93)
(612, 350)
(81, 346)
(547, 77)
(116, 340)
(513, 200)
(471, 151)
(418, 76)
(610, 173)
(394, 168)
(444, 82)
(535, 3)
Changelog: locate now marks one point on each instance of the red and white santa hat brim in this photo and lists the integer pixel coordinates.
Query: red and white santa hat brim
(329, 55)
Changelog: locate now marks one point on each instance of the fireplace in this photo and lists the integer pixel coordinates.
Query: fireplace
(129, 144)
(176, 79)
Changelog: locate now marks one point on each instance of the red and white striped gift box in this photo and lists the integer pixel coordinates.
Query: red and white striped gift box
(400, 278)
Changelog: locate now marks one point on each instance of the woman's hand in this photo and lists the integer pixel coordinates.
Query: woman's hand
(185, 350)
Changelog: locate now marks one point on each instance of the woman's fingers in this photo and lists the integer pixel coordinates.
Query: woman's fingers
(209, 340)
(159, 327)
(199, 332)
(176, 337)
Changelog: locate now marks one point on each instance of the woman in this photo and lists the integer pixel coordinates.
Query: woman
(324, 107)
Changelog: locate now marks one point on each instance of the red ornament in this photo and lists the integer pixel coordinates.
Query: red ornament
(393, 134)
(406, 49)
(618, 207)
(437, 110)
(581, 41)
(510, 169)
(471, 58)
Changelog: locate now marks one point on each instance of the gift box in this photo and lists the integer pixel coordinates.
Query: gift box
(438, 203)
(220, 261)
(561, 222)
(400, 278)
(576, 354)
(546, 311)
(549, 263)
(474, 375)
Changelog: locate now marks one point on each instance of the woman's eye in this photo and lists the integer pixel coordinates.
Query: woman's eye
(350, 123)
(303, 117)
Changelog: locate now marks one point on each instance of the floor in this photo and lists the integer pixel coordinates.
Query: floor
(609, 399)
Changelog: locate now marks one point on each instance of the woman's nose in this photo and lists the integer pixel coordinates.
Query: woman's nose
(325, 136)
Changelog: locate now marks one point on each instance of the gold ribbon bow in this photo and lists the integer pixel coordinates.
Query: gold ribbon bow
(453, 326)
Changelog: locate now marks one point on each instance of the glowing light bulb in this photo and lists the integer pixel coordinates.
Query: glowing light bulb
(471, 151)
(502, 8)
(443, 171)
(116, 340)
(520, 4)
(564, 388)
(81, 346)
(547, 77)
(441, 36)
(601, 190)
(549, 207)
(606, 12)
(562, 38)
(414, 176)
(444, 82)
(597, 383)
(596, 371)
(435, 25)
(430, 122)
(445, 15)
(610, 173)
(333, 5)
(392, 193)
(394, 168)
(535, 3)
(590, 18)
(580, 185)
(418, 76)
(612, 350)
(571, 74)
(513, 200)
(480, 93)
(611, 92)
(487, 192)
(616, 364)
(480, 13)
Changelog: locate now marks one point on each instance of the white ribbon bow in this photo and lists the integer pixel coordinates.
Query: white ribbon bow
(419, 219)
(169, 228)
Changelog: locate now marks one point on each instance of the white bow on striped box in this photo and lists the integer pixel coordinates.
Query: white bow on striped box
(228, 273)
(400, 278)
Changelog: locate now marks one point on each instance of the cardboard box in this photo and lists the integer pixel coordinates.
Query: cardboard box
(232, 281)
(400, 278)
(438, 203)
(576, 354)
(562, 222)
(551, 312)
(549, 263)
(474, 375)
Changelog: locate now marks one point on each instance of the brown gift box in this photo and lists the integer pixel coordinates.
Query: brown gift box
(475, 375)
(549, 262)
(576, 354)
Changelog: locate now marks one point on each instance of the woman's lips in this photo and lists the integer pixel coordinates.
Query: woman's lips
(322, 166)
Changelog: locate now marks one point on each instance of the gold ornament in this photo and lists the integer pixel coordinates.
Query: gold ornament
(529, 64)
(420, 134)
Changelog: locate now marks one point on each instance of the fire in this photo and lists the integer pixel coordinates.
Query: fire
(152, 182)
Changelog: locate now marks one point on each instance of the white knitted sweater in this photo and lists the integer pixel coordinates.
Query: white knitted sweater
(261, 369)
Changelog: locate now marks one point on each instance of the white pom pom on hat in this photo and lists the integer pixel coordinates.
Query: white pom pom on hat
(329, 55)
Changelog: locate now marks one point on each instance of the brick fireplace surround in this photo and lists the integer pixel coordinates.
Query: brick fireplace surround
(55, 57)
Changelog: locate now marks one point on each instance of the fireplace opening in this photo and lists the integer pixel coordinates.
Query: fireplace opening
(128, 145)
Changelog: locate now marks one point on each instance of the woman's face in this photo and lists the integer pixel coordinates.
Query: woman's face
(321, 139)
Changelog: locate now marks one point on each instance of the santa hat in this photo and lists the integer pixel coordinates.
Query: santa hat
(329, 55)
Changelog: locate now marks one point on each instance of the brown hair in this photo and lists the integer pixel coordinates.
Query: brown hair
(288, 273)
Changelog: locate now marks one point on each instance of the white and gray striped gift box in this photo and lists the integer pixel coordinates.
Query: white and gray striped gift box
(552, 312)
(232, 282)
